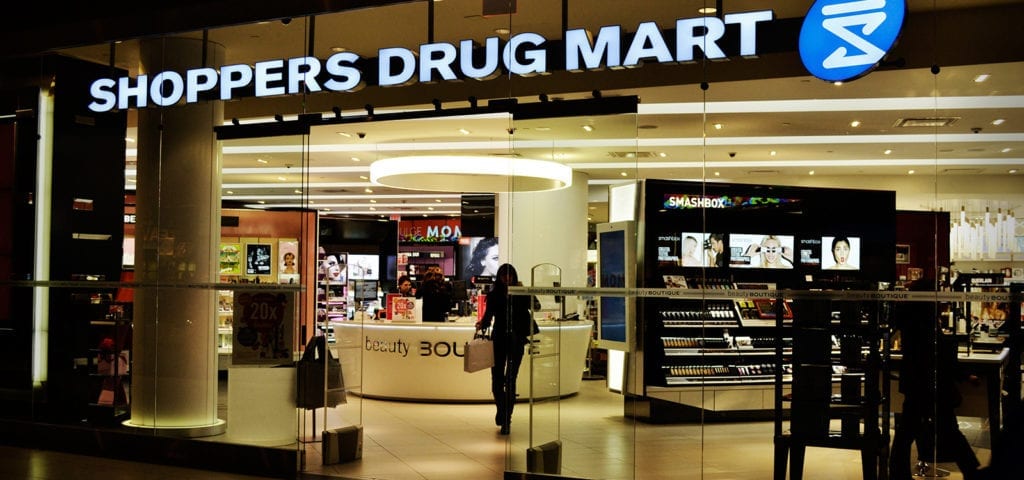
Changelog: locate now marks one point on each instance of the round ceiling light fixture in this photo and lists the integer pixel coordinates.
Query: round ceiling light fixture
(470, 174)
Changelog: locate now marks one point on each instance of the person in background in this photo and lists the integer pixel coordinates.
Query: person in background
(404, 286)
(437, 299)
(513, 324)
(928, 375)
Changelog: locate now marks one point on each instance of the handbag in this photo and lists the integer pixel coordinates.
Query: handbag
(310, 376)
(479, 353)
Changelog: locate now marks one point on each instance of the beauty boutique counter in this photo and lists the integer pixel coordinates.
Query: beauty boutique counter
(424, 361)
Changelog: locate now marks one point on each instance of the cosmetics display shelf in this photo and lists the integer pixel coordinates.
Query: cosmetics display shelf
(105, 364)
(225, 319)
(713, 341)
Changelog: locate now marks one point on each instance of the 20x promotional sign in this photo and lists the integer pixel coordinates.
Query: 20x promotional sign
(843, 39)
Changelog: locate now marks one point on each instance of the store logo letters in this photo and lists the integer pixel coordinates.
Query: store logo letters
(524, 54)
(426, 349)
(842, 39)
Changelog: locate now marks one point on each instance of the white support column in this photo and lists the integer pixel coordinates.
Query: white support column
(174, 374)
(547, 227)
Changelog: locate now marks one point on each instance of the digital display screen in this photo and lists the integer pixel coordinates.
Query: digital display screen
(809, 252)
(691, 252)
(761, 251)
(840, 253)
(613, 275)
(363, 267)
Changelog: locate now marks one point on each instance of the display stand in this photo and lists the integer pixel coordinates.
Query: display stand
(834, 341)
(107, 365)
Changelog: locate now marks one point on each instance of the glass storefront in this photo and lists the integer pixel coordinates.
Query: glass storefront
(728, 260)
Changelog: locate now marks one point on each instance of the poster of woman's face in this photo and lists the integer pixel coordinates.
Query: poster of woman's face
(480, 257)
(332, 268)
(288, 261)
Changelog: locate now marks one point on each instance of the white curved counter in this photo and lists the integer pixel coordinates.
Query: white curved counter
(424, 361)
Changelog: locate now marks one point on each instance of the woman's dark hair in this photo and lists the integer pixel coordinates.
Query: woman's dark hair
(507, 270)
(474, 267)
(837, 241)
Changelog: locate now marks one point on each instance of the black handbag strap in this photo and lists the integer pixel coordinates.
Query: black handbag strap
(316, 348)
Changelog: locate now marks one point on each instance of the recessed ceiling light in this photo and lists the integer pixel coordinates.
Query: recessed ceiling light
(438, 200)
(373, 209)
(368, 190)
(298, 191)
(1012, 171)
(542, 129)
(373, 201)
(589, 128)
(855, 123)
(430, 208)
(464, 131)
(261, 202)
(887, 151)
(717, 174)
(707, 10)
(282, 179)
(1006, 150)
(998, 121)
(345, 134)
(837, 83)
(981, 78)
(339, 49)
(772, 153)
(502, 31)
(229, 192)
(260, 160)
(356, 159)
(364, 177)
(129, 139)
(910, 172)
(810, 172)
(718, 126)
(662, 154)
(624, 174)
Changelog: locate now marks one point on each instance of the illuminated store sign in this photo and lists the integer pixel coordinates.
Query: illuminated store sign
(683, 202)
(525, 54)
(844, 39)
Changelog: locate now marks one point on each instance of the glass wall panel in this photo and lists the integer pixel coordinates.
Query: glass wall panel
(743, 261)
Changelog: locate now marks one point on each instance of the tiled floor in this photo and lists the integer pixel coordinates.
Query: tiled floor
(409, 441)
(406, 441)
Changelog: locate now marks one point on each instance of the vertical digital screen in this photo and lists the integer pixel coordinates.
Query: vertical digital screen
(613, 275)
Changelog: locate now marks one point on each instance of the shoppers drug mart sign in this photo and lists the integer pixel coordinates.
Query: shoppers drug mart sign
(842, 39)
(525, 54)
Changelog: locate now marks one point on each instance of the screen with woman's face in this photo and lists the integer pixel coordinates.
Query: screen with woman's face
(840, 253)
(761, 251)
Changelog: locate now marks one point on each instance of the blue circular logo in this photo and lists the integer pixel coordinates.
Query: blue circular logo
(843, 39)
